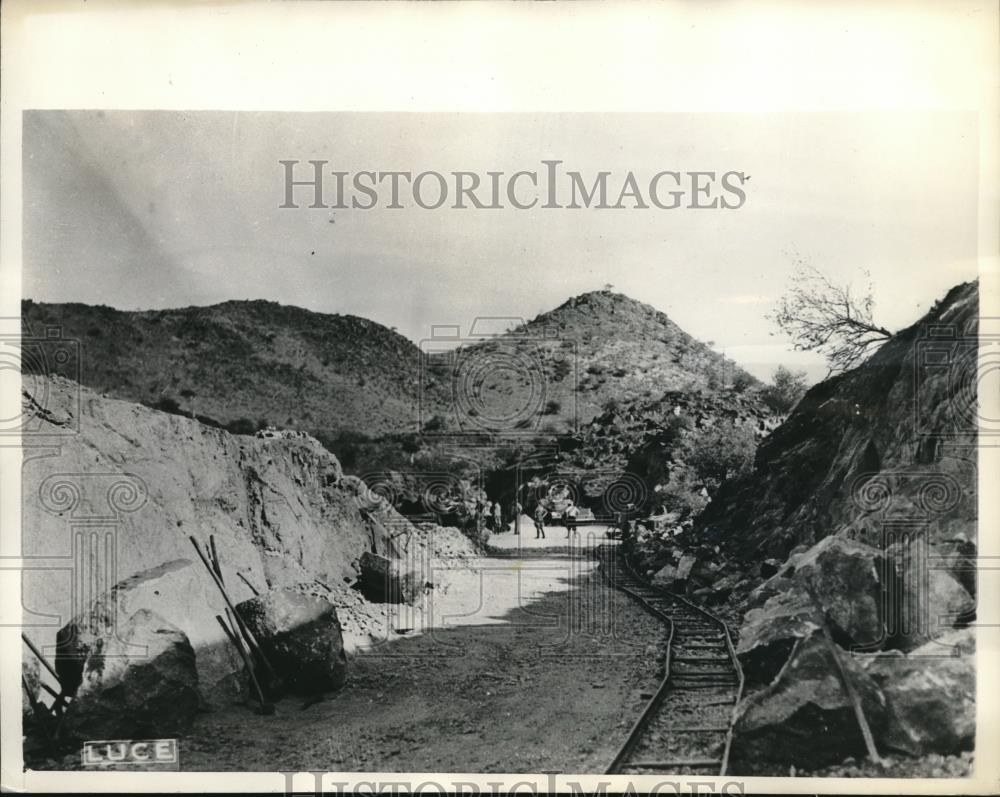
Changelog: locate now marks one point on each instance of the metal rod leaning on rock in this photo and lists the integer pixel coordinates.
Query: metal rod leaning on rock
(855, 699)
(252, 642)
(216, 564)
(50, 690)
(41, 658)
(60, 697)
(247, 582)
(38, 708)
(845, 681)
(266, 707)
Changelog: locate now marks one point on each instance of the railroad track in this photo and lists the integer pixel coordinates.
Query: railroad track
(686, 728)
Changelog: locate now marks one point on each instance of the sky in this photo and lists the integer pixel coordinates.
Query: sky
(158, 209)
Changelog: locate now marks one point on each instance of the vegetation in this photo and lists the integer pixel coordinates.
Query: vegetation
(821, 316)
(785, 391)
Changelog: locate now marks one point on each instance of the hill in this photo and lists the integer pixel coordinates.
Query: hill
(569, 365)
(245, 364)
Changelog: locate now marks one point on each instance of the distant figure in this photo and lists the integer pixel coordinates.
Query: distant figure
(540, 513)
(497, 517)
(488, 515)
(518, 509)
(623, 525)
(569, 518)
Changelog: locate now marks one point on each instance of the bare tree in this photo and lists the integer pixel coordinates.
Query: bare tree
(822, 316)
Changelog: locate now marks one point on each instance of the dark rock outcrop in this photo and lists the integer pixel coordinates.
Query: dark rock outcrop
(301, 637)
(861, 517)
(385, 580)
(893, 440)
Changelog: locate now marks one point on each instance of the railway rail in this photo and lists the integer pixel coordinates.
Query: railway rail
(686, 727)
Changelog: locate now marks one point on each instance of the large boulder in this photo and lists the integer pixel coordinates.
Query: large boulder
(769, 633)
(931, 598)
(844, 577)
(183, 593)
(837, 582)
(301, 636)
(130, 678)
(805, 717)
(685, 566)
(665, 576)
(385, 580)
(931, 695)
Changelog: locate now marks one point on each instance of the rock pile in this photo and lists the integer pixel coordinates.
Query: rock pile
(917, 703)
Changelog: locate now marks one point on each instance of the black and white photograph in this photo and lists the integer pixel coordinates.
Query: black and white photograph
(591, 450)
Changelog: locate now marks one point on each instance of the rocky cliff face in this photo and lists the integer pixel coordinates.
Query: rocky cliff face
(112, 490)
(888, 445)
(852, 546)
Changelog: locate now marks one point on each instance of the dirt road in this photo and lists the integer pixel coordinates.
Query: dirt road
(533, 664)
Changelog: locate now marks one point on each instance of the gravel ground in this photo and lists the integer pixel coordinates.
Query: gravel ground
(548, 673)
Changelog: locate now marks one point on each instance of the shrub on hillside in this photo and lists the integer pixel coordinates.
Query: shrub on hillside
(434, 424)
(168, 404)
(785, 391)
(682, 494)
(721, 452)
(742, 382)
(241, 426)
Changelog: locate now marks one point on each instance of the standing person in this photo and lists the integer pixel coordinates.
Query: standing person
(498, 517)
(569, 517)
(479, 518)
(518, 509)
(540, 513)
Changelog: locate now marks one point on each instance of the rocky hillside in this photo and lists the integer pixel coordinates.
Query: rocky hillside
(113, 501)
(891, 440)
(847, 558)
(245, 364)
(635, 435)
(568, 365)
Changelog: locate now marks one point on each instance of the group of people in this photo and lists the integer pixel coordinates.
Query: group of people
(569, 515)
(489, 515)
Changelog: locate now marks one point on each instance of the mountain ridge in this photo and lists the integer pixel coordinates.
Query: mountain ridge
(244, 364)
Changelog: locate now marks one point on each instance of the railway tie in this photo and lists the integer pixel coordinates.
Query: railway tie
(686, 727)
